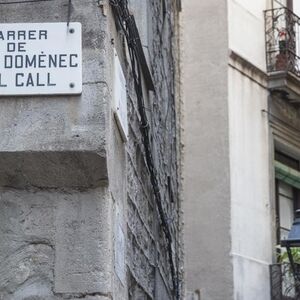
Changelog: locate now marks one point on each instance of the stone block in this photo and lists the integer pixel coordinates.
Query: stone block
(83, 248)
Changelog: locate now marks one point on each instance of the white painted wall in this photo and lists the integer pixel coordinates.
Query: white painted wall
(208, 266)
(247, 29)
(210, 199)
(296, 7)
(251, 207)
(251, 221)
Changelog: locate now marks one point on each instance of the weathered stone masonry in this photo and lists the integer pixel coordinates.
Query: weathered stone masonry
(151, 246)
(69, 182)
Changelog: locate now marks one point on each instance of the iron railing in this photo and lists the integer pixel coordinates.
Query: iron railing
(282, 30)
(283, 284)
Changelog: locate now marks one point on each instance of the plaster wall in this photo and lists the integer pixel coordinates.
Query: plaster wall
(247, 29)
(207, 212)
(251, 207)
(237, 178)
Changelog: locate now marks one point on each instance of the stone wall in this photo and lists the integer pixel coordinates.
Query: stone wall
(78, 214)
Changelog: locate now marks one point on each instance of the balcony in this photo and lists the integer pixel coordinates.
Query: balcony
(283, 284)
(282, 30)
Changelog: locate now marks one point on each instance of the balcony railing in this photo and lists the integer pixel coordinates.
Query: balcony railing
(283, 284)
(282, 29)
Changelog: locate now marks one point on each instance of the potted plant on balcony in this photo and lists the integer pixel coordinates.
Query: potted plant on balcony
(290, 282)
(282, 56)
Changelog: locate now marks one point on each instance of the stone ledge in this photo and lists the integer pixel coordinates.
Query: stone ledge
(286, 84)
(77, 169)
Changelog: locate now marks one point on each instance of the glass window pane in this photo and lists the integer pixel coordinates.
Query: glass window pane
(285, 190)
(286, 213)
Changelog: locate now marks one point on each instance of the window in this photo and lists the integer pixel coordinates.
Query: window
(286, 208)
(287, 193)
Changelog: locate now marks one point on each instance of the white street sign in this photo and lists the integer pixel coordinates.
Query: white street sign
(40, 59)
(120, 97)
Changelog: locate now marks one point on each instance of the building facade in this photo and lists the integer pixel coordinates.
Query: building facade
(89, 198)
(242, 152)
